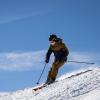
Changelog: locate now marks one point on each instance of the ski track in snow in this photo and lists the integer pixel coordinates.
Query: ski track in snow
(82, 86)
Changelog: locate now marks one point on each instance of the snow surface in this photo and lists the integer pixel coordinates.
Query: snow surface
(83, 85)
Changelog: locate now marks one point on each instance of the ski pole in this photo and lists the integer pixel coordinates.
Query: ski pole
(81, 62)
(41, 74)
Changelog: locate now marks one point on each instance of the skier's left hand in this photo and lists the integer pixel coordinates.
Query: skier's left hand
(46, 61)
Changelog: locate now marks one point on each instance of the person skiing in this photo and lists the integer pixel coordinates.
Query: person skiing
(61, 52)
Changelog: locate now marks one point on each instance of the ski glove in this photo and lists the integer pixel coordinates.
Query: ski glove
(46, 61)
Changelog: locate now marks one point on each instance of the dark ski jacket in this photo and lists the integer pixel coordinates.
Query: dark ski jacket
(60, 51)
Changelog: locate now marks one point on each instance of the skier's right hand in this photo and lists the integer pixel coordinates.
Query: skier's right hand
(46, 61)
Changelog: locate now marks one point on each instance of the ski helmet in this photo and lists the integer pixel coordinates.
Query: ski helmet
(52, 37)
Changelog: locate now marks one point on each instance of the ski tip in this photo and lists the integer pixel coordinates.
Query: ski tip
(39, 87)
(34, 89)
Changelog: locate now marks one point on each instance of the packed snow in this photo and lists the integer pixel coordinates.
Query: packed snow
(83, 85)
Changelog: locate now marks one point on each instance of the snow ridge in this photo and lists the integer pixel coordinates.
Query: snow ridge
(81, 86)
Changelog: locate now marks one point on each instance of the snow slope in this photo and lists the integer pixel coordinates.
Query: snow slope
(81, 86)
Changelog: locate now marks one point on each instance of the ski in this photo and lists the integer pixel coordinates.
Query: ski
(39, 87)
(42, 86)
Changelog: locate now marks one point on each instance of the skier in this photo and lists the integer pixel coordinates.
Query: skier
(61, 52)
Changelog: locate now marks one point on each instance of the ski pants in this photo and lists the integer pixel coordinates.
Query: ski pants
(54, 69)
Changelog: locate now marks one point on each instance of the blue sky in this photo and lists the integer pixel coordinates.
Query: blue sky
(25, 26)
